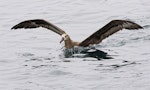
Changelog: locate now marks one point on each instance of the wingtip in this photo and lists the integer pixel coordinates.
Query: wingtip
(16, 27)
(13, 28)
(134, 25)
(140, 27)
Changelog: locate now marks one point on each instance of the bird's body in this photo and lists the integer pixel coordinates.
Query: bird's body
(97, 37)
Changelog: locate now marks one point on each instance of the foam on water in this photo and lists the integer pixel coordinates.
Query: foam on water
(85, 52)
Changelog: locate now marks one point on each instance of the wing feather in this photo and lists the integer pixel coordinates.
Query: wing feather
(109, 29)
(38, 23)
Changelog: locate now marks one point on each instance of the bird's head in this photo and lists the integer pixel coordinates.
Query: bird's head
(64, 37)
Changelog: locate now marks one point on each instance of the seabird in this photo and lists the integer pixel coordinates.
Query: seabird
(97, 37)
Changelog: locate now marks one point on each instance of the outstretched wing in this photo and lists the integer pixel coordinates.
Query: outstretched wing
(38, 23)
(108, 30)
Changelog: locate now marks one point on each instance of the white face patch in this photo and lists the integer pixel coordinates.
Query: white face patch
(64, 36)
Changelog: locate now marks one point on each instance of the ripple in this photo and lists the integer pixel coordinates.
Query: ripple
(27, 54)
(59, 73)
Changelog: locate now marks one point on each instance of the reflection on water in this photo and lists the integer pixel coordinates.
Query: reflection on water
(85, 52)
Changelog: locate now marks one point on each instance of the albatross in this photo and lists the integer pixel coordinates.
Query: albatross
(97, 37)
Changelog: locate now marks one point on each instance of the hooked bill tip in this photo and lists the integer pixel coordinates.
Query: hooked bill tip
(61, 40)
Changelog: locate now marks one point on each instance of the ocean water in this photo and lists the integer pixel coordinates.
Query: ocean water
(32, 59)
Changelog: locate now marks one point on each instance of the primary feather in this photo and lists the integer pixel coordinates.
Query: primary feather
(38, 23)
(109, 29)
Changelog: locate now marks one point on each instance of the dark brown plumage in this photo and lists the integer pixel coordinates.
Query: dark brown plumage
(109, 29)
(38, 23)
(106, 31)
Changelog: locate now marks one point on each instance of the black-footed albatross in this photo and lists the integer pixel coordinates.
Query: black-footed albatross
(97, 37)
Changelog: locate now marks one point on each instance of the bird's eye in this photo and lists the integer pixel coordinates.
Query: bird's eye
(66, 36)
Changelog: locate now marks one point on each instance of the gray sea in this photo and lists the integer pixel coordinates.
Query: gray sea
(32, 59)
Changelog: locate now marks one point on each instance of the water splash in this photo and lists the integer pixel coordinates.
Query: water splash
(83, 52)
